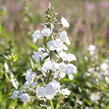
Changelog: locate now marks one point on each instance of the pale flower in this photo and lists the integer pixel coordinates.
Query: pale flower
(59, 74)
(70, 76)
(46, 32)
(67, 57)
(64, 69)
(64, 22)
(104, 67)
(24, 97)
(40, 55)
(40, 92)
(61, 71)
(51, 89)
(30, 76)
(63, 36)
(50, 65)
(71, 69)
(28, 85)
(95, 97)
(36, 35)
(107, 79)
(56, 45)
(65, 92)
(92, 48)
(15, 94)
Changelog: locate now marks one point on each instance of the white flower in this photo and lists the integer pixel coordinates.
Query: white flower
(64, 22)
(29, 84)
(92, 49)
(50, 65)
(46, 32)
(40, 55)
(71, 69)
(107, 79)
(40, 92)
(15, 94)
(24, 97)
(88, 107)
(70, 76)
(36, 56)
(59, 74)
(56, 45)
(64, 37)
(64, 69)
(61, 71)
(36, 35)
(67, 57)
(30, 76)
(65, 92)
(51, 89)
(95, 97)
(104, 67)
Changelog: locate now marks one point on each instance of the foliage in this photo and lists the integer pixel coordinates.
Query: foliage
(89, 37)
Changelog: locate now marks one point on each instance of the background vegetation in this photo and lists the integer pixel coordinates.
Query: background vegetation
(89, 24)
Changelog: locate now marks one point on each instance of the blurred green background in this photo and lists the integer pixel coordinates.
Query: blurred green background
(89, 20)
(89, 24)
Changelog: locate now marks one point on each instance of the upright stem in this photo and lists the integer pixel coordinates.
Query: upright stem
(52, 105)
(58, 105)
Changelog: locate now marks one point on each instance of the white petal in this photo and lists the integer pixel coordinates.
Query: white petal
(36, 35)
(40, 92)
(46, 32)
(64, 37)
(24, 97)
(64, 22)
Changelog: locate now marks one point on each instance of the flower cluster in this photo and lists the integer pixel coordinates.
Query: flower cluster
(52, 62)
(104, 67)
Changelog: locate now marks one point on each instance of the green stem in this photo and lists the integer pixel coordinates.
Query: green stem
(52, 105)
(58, 105)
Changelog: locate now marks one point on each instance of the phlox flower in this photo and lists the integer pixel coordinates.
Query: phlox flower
(65, 92)
(46, 32)
(64, 69)
(49, 91)
(64, 22)
(104, 67)
(92, 50)
(53, 63)
(24, 97)
(40, 55)
(94, 97)
(63, 36)
(40, 92)
(15, 94)
(67, 57)
(71, 69)
(36, 35)
(56, 45)
(50, 65)
(30, 76)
